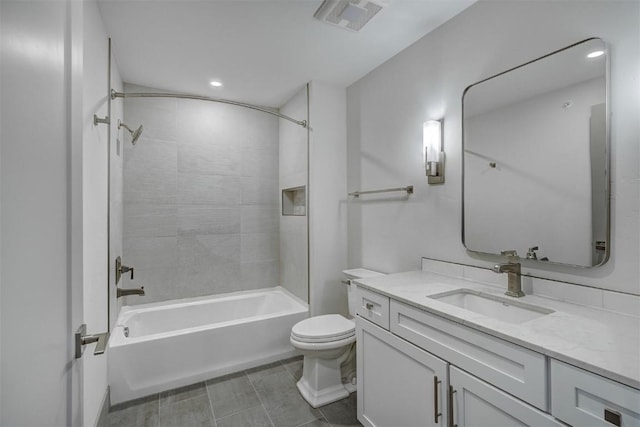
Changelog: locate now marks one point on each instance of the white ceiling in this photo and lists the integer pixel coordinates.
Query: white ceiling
(262, 50)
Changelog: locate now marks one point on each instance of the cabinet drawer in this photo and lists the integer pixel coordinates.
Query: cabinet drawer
(373, 307)
(581, 398)
(478, 404)
(520, 371)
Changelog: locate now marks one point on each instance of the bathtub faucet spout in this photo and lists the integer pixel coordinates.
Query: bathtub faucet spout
(135, 291)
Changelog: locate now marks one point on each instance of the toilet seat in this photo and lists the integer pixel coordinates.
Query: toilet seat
(322, 346)
(323, 329)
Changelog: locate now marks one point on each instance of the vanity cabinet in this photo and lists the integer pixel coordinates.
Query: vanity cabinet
(428, 371)
(477, 403)
(399, 385)
(510, 367)
(582, 398)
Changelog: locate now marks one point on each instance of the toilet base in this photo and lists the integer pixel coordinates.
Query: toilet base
(321, 381)
(317, 398)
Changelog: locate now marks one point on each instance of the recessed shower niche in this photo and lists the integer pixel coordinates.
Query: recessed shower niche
(294, 201)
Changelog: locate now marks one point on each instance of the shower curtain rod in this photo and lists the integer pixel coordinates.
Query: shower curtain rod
(115, 94)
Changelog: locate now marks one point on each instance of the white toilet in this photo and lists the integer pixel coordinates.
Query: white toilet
(327, 344)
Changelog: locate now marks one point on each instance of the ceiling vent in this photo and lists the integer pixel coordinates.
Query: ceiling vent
(349, 14)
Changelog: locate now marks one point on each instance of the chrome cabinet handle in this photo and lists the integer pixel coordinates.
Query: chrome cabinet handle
(369, 306)
(436, 412)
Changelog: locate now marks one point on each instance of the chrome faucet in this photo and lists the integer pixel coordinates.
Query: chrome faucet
(514, 278)
(135, 291)
(531, 253)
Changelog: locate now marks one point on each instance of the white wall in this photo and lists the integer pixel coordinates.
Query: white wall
(387, 107)
(327, 198)
(294, 247)
(40, 202)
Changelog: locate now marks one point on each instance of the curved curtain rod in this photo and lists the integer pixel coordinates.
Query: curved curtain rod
(115, 95)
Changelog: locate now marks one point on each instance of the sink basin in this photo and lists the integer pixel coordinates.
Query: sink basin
(499, 308)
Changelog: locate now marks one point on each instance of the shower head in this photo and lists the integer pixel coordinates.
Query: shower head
(135, 134)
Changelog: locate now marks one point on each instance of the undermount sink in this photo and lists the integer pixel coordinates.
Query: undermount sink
(492, 306)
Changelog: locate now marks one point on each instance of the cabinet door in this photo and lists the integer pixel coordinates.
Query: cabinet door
(478, 404)
(582, 398)
(399, 385)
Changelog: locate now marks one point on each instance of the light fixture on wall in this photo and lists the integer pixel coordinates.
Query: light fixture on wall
(433, 150)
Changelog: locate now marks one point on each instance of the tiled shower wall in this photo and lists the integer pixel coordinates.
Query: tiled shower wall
(201, 212)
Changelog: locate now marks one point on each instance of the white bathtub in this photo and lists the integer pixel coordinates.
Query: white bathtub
(180, 342)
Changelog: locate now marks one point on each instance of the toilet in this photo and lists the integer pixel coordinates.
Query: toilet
(327, 343)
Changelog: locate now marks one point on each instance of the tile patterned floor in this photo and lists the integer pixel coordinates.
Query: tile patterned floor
(261, 397)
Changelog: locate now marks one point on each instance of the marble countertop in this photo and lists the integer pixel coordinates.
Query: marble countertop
(597, 340)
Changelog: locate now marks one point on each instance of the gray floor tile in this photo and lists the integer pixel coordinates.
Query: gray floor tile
(253, 417)
(182, 393)
(343, 412)
(264, 396)
(194, 412)
(317, 423)
(136, 413)
(294, 366)
(286, 407)
(231, 394)
(271, 378)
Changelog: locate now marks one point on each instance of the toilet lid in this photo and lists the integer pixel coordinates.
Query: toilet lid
(326, 328)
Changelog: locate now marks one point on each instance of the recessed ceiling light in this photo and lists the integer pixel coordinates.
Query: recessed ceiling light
(215, 83)
(595, 54)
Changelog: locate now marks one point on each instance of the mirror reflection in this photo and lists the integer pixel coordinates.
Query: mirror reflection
(535, 159)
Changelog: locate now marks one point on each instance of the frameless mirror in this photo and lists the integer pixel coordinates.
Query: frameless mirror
(535, 163)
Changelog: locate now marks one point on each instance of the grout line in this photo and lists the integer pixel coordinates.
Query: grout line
(260, 398)
(215, 423)
(288, 371)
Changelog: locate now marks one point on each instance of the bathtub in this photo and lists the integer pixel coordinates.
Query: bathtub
(180, 342)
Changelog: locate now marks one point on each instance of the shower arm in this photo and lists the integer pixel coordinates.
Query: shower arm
(115, 94)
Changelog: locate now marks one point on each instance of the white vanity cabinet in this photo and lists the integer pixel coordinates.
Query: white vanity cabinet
(399, 385)
(582, 398)
(426, 370)
(479, 404)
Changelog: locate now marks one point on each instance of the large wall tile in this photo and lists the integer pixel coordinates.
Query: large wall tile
(150, 220)
(257, 219)
(209, 190)
(257, 275)
(259, 191)
(211, 156)
(257, 247)
(205, 219)
(259, 163)
(148, 253)
(150, 172)
(200, 175)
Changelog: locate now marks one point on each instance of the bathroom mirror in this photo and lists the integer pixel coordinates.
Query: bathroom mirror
(535, 162)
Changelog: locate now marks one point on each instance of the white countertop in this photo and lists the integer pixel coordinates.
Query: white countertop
(597, 340)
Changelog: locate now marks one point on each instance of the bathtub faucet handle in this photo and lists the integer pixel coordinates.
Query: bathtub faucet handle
(122, 269)
(126, 269)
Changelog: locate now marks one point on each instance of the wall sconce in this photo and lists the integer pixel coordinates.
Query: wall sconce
(433, 150)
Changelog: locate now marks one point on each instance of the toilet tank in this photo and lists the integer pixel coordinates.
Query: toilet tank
(356, 273)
